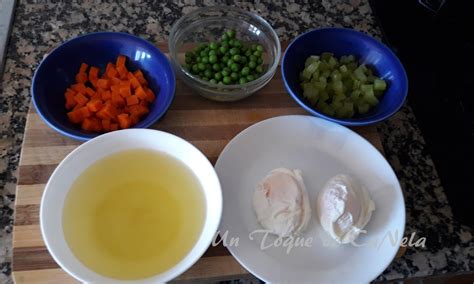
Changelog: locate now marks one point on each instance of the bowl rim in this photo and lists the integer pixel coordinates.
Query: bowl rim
(87, 136)
(179, 268)
(260, 80)
(347, 122)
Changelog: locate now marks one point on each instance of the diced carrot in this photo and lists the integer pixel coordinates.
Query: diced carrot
(124, 120)
(120, 61)
(80, 99)
(94, 105)
(140, 93)
(94, 82)
(91, 124)
(106, 124)
(134, 119)
(93, 73)
(115, 89)
(79, 87)
(70, 101)
(135, 83)
(106, 95)
(125, 91)
(115, 81)
(103, 83)
(83, 68)
(113, 126)
(150, 97)
(81, 77)
(75, 116)
(109, 65)
(117, 100)
(122, 70)
(84, 111)
(132, 100)
(138, 110)
(112, 72)
(90, 92)
(139, 75)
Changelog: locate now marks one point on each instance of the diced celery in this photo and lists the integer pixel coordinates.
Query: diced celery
(327, 55)
(351, 58)
(332, 62)
(352, 66)
(366, 88)
(355, 95)
(308, 71)
(338, 98)
(343, 69)
(336, 75)
(363, 108)
(360, 75)
(323, 96)
(328, 110)
(379, 85)
(338, 87)
(310, 60)
(370, 98)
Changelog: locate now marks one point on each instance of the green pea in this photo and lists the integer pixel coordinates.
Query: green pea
(213, 81)
(242, 81)
(195, 68)
(216, 67)
(226, 80)
(236, 58)
(243, 59)
(222, 65)
(230, 62)
(188, 60)
(201, 66)
(205, 60)
(208, 73)
(224, 37)
(213, 45)
(253, 47)
(212, 58)
(212, 52)
(225, 73)
(245, 71)
(218, 76)
(250, 78)
(237, 44)
(253, 58)
(202, 53)
(225, 58)
(227, 69)
(252, 64)
(230, 33)
(225, 44)
(257, 53)
(198, 59)
(248, 52)
(235, 67)
(234, 51)
(259, 69)
(234, 76)
(259, 48)
(223, 49)
(259, 61)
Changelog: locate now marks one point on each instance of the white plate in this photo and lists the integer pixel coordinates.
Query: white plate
(321, 149)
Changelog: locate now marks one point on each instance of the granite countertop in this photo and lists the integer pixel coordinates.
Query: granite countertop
(38, 27)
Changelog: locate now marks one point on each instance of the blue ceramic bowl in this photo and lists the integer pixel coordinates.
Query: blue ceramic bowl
(344, 42)
(57, 72)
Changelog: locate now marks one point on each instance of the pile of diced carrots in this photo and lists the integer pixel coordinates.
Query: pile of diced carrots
(116, 100)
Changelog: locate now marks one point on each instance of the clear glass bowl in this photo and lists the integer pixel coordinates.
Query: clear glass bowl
(208, 24)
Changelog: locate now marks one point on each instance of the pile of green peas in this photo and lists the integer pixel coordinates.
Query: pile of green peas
(226, 61)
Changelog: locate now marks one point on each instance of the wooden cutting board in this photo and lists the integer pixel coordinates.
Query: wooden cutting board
(206, 124)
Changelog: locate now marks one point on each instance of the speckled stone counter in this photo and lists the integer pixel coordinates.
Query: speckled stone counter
(38, 27)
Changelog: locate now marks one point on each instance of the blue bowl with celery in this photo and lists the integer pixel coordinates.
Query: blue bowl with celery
(344, 76)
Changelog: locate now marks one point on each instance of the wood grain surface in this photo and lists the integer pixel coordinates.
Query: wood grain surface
(206, 124)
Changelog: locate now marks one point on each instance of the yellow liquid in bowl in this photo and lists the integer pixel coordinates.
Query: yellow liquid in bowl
(133, 214)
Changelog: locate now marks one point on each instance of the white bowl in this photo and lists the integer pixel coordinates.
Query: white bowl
(81, 158)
